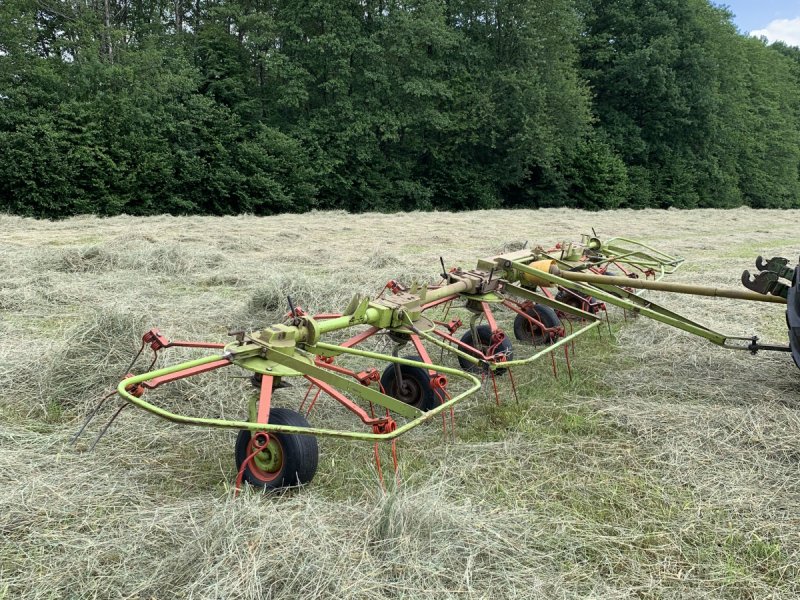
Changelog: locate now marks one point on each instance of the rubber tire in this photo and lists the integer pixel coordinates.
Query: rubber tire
(575, 302)
(485, 337)
(419, 378)
(300, 453)
(793, 316)
(542, 313)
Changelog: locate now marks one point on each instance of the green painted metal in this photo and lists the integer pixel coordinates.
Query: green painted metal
(646, 256)
(269, 427)
(349, 385)
(669, 319)
(251, 357)
(270, 458)
(371, 317)
(283, 350)
(675, 288)
(491, 297)
(525, 293)
(647, 303)
(252, 408)
(549, 348)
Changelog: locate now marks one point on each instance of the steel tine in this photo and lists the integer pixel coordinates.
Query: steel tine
(135, 358)
(107, 425)
(89, 417)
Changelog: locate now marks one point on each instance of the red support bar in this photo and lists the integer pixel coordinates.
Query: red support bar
(264, 399)
(313, 400)
(519, 311)
(423, 353)
(452, 326)
(438, 302)
(357, 339)
(194, 345)
(508, 302)
(157, 341)
(323, 316)
(154, 383)
(624, 270)
(487, 311)
(553, 332)
(516, 307)
(334, 368)
(298, 312)
(346, 402)
(363, 377)
(472, 350)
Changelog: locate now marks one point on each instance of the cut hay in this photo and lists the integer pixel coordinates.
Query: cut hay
(668, 468)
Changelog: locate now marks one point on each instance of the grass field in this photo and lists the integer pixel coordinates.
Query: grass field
(667, 468)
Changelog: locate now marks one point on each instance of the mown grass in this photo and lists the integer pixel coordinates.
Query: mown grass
(665, 468)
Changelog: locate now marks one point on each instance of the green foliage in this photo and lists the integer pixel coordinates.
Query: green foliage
(269, 106)
(701, 116)
(597, 177)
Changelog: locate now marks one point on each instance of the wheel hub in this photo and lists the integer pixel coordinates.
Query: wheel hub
(409, 392)
(270, 458)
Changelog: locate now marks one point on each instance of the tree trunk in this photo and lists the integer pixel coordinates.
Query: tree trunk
(107, 23)
(178, 16)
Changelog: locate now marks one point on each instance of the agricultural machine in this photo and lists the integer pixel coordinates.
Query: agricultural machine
(482, 323)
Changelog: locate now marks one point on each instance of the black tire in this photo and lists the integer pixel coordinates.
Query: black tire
(299, 454)
(579, 300)
(417, 390)
(485, 340)
(793, 316)
(576, 300)
(528, 332)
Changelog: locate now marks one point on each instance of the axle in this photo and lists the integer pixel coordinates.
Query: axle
(677, 288)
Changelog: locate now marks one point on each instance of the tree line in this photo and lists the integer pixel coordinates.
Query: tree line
(267, 106)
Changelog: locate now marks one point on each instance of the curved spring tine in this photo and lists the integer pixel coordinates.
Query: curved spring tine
(89, 418)
(107, 425)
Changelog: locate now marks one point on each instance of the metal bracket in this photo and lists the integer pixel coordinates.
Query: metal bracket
(777, 265)
(768, 280)
(754, 347)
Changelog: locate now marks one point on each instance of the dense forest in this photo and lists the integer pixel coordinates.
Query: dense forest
(265, 106)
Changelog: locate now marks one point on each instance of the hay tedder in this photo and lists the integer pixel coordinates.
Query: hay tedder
(482, 323)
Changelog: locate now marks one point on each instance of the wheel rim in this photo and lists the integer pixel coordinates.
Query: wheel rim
(410, 392)
(266, 464)
(533, 333)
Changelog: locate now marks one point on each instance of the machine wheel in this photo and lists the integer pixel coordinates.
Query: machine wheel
(793, 316)
(484, 342)
(525, 331)
(576, 301)
(286, 461)
(416, 389)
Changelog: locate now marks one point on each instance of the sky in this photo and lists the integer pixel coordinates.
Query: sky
(773, 19)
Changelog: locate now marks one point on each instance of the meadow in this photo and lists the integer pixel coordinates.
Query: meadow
(665, 468)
